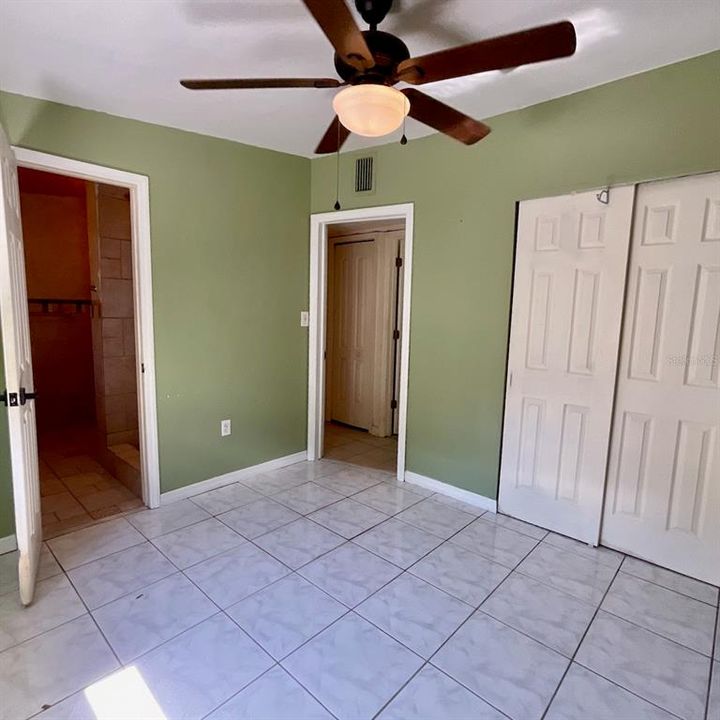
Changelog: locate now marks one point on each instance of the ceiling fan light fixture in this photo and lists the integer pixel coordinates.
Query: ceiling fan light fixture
(371, 110)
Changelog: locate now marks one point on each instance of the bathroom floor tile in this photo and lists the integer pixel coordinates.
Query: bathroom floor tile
(286, 614)
(352, 668)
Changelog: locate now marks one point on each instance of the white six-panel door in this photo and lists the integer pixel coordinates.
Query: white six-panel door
(18, 375)
(353, 334)
(567, 305)
(663, 498)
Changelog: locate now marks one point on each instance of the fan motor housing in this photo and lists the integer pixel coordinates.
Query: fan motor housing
(373, 12)
(387, 49)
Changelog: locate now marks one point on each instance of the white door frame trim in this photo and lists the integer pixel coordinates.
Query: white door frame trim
(138, 185)
(318, 319)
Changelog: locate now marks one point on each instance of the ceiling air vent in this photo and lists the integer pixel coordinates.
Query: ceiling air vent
(364, 180)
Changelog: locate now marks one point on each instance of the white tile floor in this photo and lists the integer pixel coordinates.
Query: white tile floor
(383, 601)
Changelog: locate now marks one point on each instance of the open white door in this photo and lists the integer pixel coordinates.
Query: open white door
(18, 375)
(565, 330)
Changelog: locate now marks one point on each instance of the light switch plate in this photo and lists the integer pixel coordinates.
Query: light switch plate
(225, 427)
(304, 318)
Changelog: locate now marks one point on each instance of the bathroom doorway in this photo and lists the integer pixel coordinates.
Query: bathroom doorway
(79, 276)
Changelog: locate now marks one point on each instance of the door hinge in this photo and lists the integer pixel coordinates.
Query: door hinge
(396, 334)
(142, 368)
(393, 404)
(398, 262)
(9, 399)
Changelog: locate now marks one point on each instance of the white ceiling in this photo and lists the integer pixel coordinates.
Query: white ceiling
(126, 56)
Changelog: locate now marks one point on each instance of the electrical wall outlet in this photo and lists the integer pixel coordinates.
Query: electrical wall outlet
(304, 318)
(225, 427)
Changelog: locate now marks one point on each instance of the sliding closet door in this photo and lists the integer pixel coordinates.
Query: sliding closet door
(567, 306)
(663, 499)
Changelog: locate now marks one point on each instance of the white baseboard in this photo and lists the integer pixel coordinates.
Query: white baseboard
(471, 498)
(8, 544)
(231, 477)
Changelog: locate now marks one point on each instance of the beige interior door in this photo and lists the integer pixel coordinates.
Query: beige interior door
(663, 499)
(353, 332)
(565, 330)
(18, 376)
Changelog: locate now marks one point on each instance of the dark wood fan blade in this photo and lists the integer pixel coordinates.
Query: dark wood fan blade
(333, 138)
(522, 48)
(255, 83)
(442, 117)
(338, 24)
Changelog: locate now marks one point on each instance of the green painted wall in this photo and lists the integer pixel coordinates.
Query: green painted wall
(230, 265)
(662, 123)
(229, 230)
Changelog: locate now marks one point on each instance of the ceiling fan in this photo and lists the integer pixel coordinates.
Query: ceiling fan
(371, 62)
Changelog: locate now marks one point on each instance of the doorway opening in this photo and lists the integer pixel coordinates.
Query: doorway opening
(79, 276)
(362, 356)
(359, 336)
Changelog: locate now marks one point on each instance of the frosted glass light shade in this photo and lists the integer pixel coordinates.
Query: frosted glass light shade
(371, 110)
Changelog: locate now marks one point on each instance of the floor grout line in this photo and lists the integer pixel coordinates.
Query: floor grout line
(579, 645)
(714, 646)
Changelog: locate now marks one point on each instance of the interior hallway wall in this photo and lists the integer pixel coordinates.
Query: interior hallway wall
(661, 123)
(229, 227)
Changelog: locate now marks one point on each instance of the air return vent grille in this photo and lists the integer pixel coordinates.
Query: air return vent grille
(364, 174)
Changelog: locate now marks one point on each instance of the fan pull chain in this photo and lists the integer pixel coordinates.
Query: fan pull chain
(403, 139)
(337, 169)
